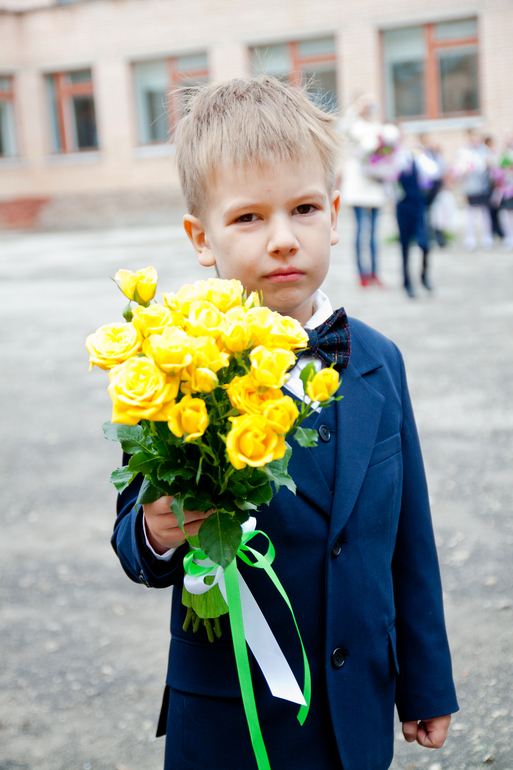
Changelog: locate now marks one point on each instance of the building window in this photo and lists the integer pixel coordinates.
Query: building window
(72, 113)
(302, 62)
(161, 87)
(431, 71)
(8, 148)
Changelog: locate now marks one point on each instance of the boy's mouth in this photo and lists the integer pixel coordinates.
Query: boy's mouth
(284, 274)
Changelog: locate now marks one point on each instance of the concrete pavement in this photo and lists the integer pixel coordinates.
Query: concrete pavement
(84, 649)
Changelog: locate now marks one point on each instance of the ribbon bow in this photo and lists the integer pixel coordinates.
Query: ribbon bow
(249, 625)
(331, 340)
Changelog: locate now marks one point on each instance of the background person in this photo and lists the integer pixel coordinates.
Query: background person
(418, 175)
(494, 200)
(364, 193)
(472, 167)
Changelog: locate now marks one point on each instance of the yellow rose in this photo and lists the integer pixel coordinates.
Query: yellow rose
(236, 335)
(188, 418)
(196, 380)
(171, 350)
(207, 355)
(112, 344)
(139, 286)
(204, 320)
(260, 320)
(252, 441)
(282, 414)
(224, 294)
(186, 294)
(286, 333)
(269, 367)
(252, 300)
(140, 391)
(154, 318)
(323, 385)
(248, 396)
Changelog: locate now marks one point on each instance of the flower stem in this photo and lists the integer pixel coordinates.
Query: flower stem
(208, 627)
(188, 618)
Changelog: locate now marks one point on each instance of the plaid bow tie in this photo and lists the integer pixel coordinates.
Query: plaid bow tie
(331, 340)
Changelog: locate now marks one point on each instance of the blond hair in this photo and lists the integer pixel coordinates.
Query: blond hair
(252, 120)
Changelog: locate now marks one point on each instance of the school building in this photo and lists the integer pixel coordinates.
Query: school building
(85, 111)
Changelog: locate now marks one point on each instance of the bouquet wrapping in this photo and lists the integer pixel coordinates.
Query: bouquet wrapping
(197, 405)
(381, 161)
(502, 177)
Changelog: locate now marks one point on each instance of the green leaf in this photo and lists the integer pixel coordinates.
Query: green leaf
(143, 462)
(307, 373)
(306, 437)
(239, 487)
(177, 508)
(220, 537)
(198, 500)
(122, 477)
(245, 505)
(148, 493)
(129, 436)
(164, 473)
(258, 477)
(278, 474)
(260, 495)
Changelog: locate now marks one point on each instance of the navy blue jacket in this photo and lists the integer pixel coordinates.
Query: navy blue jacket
(360, 566)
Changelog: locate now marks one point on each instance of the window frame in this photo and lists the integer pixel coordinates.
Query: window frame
(300, 63)
(9, 96)
(175, 76)
(66, 91)
(432, 79)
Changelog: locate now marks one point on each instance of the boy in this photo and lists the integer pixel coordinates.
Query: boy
(354, 547)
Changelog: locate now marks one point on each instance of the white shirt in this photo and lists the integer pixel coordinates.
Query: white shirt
(322, 310)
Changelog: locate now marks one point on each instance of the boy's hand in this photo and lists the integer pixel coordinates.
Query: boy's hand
(162, 527)
(430, 733)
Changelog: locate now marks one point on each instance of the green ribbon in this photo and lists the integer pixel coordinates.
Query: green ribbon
(231, 578)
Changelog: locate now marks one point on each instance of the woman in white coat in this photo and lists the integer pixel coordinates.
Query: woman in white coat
(361, 189)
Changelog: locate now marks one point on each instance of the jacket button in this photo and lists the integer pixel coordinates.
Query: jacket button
(337, 548)
(338, 657)
(324, 433)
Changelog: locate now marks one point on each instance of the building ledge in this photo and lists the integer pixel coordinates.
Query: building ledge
(13, 163)
(73, 158)
(154, 150)
(443, 124)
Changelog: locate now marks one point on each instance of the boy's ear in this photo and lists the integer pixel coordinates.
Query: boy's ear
(199, 239)
(335, 208)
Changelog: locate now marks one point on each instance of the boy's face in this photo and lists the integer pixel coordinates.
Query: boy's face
(272, 228)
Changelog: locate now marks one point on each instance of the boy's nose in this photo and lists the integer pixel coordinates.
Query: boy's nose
(282, 239)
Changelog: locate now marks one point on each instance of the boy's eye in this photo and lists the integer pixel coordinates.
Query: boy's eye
(305, 208)
(247, 218)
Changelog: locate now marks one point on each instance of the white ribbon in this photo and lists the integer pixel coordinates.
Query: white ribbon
(257, 632)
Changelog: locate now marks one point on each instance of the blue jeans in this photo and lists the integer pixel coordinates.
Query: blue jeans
(362, 214)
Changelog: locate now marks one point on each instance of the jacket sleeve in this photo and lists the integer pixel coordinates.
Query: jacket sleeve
(129, 543)
(425, 687)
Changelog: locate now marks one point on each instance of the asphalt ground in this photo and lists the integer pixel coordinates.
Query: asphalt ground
(83, 649)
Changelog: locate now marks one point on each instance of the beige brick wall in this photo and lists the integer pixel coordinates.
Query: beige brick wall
(108, 35)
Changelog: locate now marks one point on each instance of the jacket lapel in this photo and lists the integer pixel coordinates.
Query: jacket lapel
(358, 417)
(309, 479)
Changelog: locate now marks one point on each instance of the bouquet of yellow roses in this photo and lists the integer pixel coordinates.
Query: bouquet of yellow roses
(195, 384)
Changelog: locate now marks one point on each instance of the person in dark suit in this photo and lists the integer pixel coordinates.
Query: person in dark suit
(354, 548)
